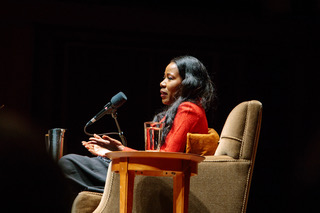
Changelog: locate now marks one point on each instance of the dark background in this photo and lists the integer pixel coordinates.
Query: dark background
(62, 61)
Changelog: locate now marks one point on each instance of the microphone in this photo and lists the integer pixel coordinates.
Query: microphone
(116, 101)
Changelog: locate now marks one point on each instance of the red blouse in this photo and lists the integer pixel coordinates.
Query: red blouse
(189, 118)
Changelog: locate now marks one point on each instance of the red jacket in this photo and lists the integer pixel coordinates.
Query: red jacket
(189, 118)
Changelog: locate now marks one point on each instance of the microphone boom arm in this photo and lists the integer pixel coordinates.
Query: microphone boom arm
(123, 139)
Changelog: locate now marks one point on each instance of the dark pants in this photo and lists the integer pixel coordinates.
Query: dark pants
(85, 173)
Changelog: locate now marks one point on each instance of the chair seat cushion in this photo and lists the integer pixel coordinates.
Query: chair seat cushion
(86, 202)
(202, 144)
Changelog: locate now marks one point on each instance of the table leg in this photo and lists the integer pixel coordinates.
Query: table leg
(181, 187)
(126, 186)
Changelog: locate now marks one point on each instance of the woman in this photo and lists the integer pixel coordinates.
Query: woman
(186, 90)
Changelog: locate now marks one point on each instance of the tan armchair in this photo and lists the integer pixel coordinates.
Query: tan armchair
(223, 180)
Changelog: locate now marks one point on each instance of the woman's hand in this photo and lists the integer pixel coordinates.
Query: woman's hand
(102, 145)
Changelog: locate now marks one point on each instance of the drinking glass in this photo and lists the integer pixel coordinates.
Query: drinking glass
(152, 135)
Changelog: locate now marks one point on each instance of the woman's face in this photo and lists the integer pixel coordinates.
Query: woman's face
(170, 84)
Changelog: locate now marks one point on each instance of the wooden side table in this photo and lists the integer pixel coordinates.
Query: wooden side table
(180, 166)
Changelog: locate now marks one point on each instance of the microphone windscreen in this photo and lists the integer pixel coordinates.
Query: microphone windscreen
(118, 100)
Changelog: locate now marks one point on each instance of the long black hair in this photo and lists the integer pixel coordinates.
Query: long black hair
(196, 87)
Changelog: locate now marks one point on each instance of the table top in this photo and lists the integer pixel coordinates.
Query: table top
(155, 154)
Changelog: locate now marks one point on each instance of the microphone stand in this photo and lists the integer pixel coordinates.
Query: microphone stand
(123, 139)
(120, 133)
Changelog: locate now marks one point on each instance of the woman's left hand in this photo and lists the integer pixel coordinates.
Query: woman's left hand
(102, 145)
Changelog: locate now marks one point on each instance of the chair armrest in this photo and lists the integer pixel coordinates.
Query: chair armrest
(225, 158)
(110, 198)
(221, 185)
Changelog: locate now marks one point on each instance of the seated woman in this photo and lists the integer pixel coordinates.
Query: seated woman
(186, 90)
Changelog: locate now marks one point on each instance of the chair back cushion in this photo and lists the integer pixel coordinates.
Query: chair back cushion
(241, 131)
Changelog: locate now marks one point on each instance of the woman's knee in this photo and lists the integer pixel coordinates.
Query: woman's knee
(66, 162)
